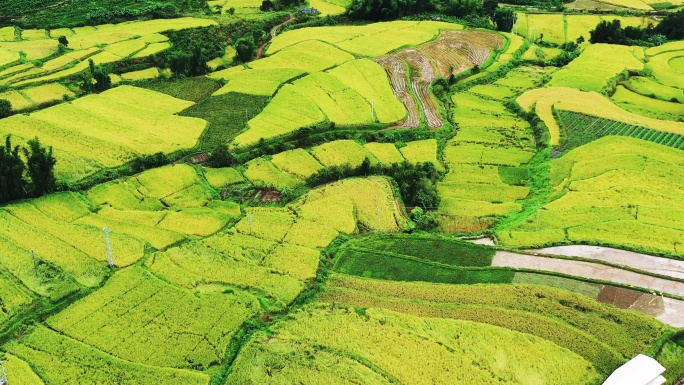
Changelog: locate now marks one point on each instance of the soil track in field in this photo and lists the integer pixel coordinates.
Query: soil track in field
(396, 69)
(453, 52)
(655, 265)
(456, 51)
(422, 76)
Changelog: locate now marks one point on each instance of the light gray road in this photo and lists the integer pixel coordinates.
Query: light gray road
(674, 309)
(587, 270)
(656, 265)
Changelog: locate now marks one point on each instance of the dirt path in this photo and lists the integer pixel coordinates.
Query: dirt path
(587, 270)
(656, 265)
(481, 241)
(274, 32)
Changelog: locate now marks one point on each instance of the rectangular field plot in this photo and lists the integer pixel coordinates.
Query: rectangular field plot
(49, 248)
(342, 152)
(130, 318)
(297, 162)
(222, 177)
(262, 171)
(340, 103)
(258, 81)
(589, 73)
(226, 261)
(422, 151)
(626, 194)
(370, 80)
(308, 56)
(372, 198)
(289, 110)
(386, 153)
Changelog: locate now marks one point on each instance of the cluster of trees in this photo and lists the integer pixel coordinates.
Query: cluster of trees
(192, 48)
(34, 177)
(96, 79)
(612, 32)
(416, 181)
(381, 10)
(475, 12)
(5, 108)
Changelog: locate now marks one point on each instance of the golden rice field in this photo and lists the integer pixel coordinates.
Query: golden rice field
(590, 73)
(561, 28)
(108, 129)
(544, 100)
(370, 40)
(386, 340)
(490, 144)
(613, 191)
(103, 44)
(253, 274)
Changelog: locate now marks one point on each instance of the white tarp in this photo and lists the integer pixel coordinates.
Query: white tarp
(640, 370)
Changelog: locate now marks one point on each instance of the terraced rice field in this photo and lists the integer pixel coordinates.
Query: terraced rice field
(82, 134)
(262, 273)
(106, 44)
(584, 74)
(590, 103)
(627, 203)
(491, 144)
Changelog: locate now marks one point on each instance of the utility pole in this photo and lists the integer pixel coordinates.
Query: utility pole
(538, 215)
(110, 257)
(35, 262)
(249, 222)
(377, 219)
(3, 374)
(515, 22)
(373, 110)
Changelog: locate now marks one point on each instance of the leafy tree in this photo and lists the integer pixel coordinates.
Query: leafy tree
(461, 8)
(672, 26)
(424, 220)
(580, 40)
(87, 82)
(222, 157)
(5, 108)
(147, 162)
(489, 7)
(266, 6)
(380, 10)
(12, 167)
(286, 4)
(504, 19)
(63, 41)
(102, 80)
(657, 39)
(40, 166)
(96, 79)
(245, 48)
(609, 32)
